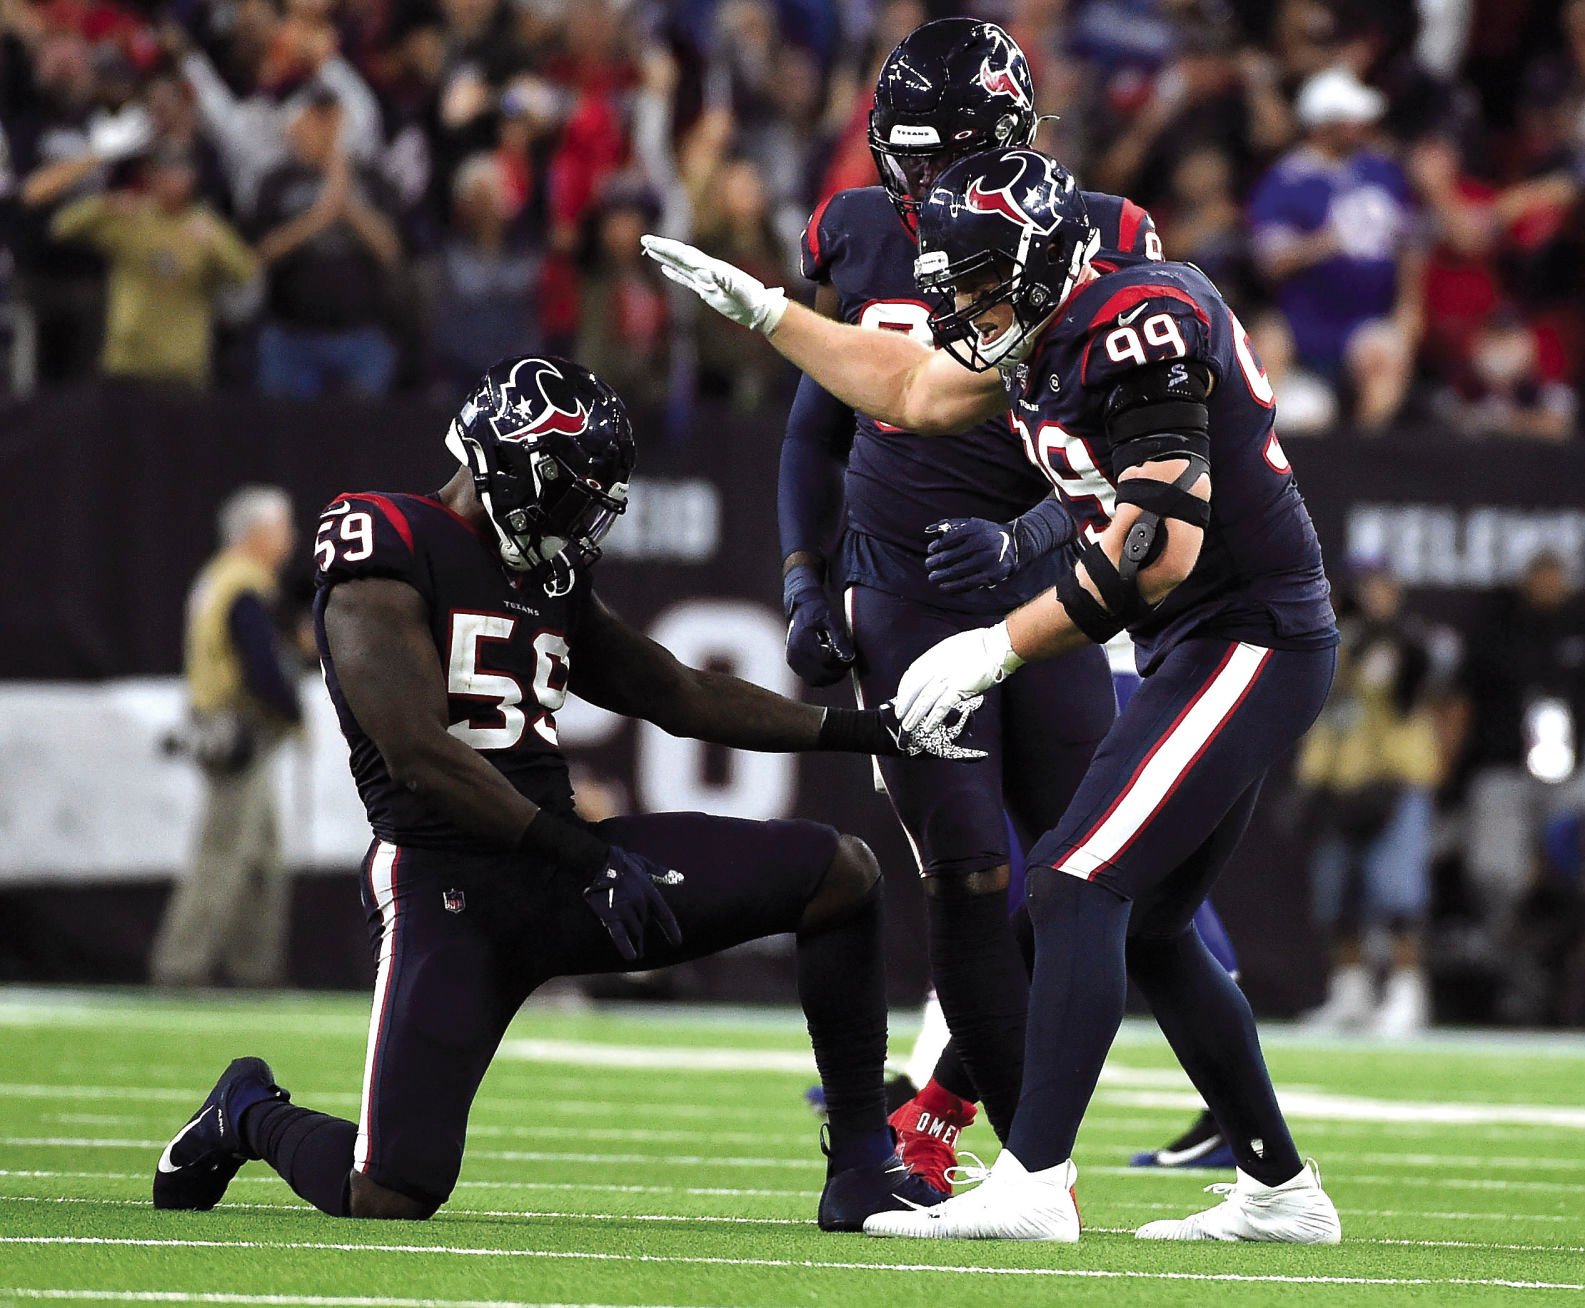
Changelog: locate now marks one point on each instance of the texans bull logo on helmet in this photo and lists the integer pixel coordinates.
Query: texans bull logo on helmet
(538, 399)
(1004, 80)
(1020, 173)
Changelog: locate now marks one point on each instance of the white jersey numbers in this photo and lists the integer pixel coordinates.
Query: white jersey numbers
(502, 692)
(351, 533)
(1150, 341)
(1067, 463)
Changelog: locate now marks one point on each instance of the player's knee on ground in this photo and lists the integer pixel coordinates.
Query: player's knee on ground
(852, 879)
(960, 884)
(372, 1200)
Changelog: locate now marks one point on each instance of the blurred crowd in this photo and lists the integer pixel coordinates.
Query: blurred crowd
(306, 195)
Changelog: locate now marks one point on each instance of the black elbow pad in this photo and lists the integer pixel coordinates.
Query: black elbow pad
(1159, 412)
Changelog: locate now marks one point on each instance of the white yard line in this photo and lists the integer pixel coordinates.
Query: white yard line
(799, 1264)
(1121, 1086)
(800, 1140)
(1323, 1105)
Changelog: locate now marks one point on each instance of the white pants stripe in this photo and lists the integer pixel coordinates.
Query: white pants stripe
(1168, 762)
(382, 880)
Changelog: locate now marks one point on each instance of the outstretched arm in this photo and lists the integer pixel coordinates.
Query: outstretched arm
(621, 670)
(884, 374)
(624, 671)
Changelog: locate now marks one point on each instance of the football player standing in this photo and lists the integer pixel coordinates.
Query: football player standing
(452, 627)
(1142, 384)
(940, 537)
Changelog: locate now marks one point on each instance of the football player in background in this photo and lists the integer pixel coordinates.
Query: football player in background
(451, 628)
(940, 537)
(1141, 384)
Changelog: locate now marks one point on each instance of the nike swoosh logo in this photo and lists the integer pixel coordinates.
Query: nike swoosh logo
(1123, 319)
(165, 1164)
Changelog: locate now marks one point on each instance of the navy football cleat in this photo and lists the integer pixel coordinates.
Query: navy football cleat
(204, 1155)
(859, 1192)
(1201, 1145)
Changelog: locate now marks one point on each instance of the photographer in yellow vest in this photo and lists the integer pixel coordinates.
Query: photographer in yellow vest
(227, 916)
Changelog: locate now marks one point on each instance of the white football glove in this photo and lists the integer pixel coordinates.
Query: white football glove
(730, 291)
(952, 672)
(113, 137)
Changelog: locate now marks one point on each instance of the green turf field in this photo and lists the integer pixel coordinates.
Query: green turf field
(664, 1157)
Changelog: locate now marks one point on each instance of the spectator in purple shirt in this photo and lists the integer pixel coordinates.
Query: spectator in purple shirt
(1333, 226)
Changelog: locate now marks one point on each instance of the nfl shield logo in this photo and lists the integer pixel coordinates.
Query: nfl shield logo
(454, 900)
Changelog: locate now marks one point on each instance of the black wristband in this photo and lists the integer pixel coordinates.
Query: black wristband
(564, 844)
(857, 731)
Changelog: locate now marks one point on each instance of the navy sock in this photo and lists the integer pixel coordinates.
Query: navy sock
(984, 992)
(953, 1077)
(842, 985)
(1075, 1007)
(312, 1151)
(1207, 1021)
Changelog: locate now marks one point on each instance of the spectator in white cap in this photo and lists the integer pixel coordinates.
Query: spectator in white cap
(1334, 236)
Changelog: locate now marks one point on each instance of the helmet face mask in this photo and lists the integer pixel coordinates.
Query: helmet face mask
(1003, 227)
(951, 87)
(956, 328)
(550, 450)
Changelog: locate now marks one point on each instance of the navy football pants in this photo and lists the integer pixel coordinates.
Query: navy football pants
(1038, 731)
(461, 940)
(1171, 789)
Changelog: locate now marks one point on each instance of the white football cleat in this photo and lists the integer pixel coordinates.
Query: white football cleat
(1295, 1212)
(1010, 1204)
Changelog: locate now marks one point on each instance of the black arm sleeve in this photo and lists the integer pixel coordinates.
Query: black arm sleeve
(813, 456)
(253, 633)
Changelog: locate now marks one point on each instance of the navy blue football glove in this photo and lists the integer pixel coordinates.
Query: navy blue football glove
(625, 896)
(818, 648)
(973, 554)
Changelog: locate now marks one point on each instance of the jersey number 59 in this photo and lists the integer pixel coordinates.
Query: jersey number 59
(355, 538)
(465, 679)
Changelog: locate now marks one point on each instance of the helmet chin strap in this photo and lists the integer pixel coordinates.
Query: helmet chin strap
(1013, 346)
(471, 457)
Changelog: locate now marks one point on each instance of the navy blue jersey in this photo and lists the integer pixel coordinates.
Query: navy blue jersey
(897, 484)
(502, 642)
(1259, 575)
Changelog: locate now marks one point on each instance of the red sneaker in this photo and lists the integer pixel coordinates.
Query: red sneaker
(927, 1128)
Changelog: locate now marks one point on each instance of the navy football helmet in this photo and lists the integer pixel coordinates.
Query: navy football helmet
(1011, 223)
(951, 87)
(551, 451)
